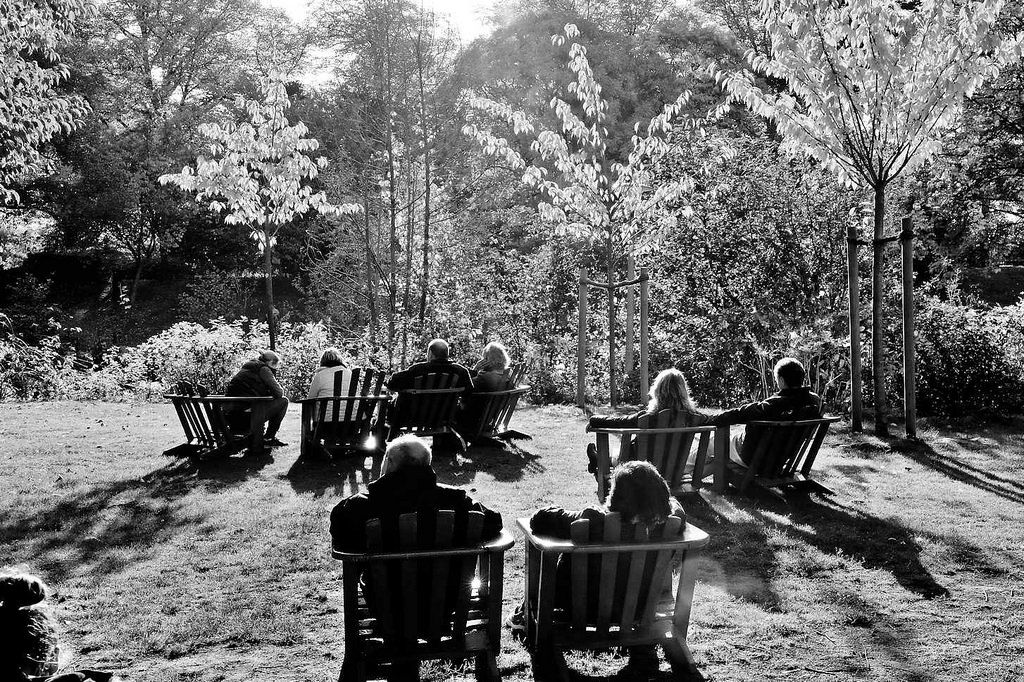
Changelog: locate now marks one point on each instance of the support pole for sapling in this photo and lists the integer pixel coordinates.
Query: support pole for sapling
(909, 369)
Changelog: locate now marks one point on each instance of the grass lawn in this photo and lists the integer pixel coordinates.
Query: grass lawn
(171, 570)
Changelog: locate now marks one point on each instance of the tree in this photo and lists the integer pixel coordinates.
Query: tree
(32, 110)
(584, 192)
(258, 174)
(871, 86)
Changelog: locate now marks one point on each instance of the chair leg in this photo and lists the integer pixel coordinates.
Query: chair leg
(679, 655)
(352, 670)
(487, 667)
(549, 665)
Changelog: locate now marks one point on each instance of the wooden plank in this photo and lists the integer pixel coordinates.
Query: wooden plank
(635, 572)
(609, 572)
(474, 528)
(579, 532)
(662, 572)
(441, 566)
(409, 589)
(378, 583)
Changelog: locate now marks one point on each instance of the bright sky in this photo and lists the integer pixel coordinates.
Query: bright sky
(465, 14)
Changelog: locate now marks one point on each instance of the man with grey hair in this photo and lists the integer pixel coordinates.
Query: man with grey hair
(258, 378)
(437, 362)
(407, 484)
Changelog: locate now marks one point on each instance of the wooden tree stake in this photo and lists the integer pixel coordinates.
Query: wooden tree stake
(909, 369)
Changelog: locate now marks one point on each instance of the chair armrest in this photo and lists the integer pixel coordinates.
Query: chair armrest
(629, 432)
(794, 422)
(519, 390)
(692, 537)
(499, 544)
(345, 398)
(236, 399)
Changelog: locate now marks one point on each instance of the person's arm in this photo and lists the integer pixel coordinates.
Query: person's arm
(348, 525)
(741, 415)
(399, 381)
(492, 519)
(553, 522)
(267, 375)
(605, 422)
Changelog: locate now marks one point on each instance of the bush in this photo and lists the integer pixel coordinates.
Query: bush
(970, 362)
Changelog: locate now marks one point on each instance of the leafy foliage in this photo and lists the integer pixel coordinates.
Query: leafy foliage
(32, 109)
(971, 362)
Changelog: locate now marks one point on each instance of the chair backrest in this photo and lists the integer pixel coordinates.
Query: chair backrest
(497, 409)
(417, 586)
(432, 402)
(669, 452)
(615, 583)
(362, 381)
(777, 449)
(514, 374)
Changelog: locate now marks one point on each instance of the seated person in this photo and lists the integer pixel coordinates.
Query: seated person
(668, 392)
(489, 373)
(488, 377)
(29, 650)
(407, 484)
(793, 401)
(333, 372)
(258, 378)
(437, 362)
(641, 496)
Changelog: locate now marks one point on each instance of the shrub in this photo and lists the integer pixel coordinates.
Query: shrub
(970, 362)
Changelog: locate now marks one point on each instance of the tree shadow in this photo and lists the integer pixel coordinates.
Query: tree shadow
(879, 543)
(106, 527)
(738, 557)
(962, 471)
(339, 477)
(505, 462)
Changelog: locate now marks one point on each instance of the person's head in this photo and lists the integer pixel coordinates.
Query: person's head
(27, 631)
(331, 358)
(639, 493)
(670, 392)
(495, 356)
(437, 350)
(270, 359)
(789, 373)
(405, 452)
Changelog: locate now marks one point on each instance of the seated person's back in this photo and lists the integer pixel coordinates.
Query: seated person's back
(641, 497)
(408, 484)
(793, 401)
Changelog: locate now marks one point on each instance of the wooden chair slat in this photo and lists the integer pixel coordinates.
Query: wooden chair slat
(579, 532)
(466, 568)
(443, 539)
(635, 573)
(662, 568)
(407, 539)
(781, 453)
(609, 572)
(378, 583)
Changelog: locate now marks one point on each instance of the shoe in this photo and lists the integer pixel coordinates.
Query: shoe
(592, 458)
(273, 442)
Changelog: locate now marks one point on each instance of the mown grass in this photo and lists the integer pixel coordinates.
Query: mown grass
(173, 570)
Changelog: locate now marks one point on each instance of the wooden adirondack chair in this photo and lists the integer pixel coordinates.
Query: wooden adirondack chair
(492, 410)
(662, 442)
(621, 592)
(205, 425)
(781, 453)
(429, 408)
(344, 420)
(407, 603)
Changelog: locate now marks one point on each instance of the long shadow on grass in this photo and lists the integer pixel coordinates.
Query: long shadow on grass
(346, 475)
(103, 528)
(738, 557)
(960, 470)
(879, 543)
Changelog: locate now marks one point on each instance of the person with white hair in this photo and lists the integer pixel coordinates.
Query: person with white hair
(407, 484)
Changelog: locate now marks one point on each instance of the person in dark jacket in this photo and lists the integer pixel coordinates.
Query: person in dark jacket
(437, 362)
(407, 484)
(792, 401)
(258, 378)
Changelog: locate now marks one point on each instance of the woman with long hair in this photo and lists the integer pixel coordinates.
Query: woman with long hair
(668, 392)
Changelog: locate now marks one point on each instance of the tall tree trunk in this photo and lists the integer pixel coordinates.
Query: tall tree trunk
(424, 123)
(877, 321)
(371, 285)
(268, 271)
(393, 234)
(613, 381)
(410, 219)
